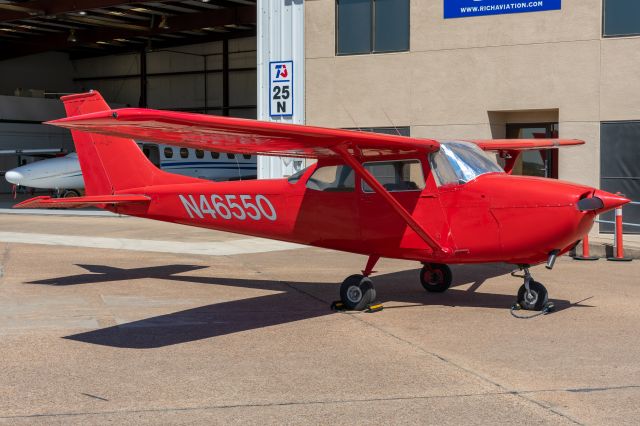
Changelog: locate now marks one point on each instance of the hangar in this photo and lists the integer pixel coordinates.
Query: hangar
(196, 56)
(426, 69)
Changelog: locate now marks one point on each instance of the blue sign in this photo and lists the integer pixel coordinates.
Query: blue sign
(466, 8)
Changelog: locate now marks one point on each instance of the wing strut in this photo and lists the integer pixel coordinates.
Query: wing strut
(373, 183)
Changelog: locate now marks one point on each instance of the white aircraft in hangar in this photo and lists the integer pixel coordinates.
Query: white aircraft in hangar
(63, 174)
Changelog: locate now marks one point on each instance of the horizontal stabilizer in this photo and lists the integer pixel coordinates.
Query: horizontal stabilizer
(45, 202)
(524, 144)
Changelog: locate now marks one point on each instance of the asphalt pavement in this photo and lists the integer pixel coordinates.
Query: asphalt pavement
(121, 320)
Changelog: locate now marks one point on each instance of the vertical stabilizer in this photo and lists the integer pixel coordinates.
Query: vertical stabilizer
(110, 163)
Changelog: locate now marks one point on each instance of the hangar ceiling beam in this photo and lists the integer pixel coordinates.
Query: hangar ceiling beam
(26, 10)
(244, 15)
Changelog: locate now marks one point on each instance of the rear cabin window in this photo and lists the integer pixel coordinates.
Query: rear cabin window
(294, 178)
(403, 175)
(184, 153)
(199, 153)
(246, 156)
(168, 152)
(215, 155)
(332, 178)
(231, 156)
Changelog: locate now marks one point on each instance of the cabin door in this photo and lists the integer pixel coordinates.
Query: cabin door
(382, 226)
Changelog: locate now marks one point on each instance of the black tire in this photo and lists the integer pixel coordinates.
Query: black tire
(357, 292)
(536, 300)
(436, 277)
(68, 193)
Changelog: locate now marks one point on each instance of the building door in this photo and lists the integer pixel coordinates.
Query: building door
(543, 162)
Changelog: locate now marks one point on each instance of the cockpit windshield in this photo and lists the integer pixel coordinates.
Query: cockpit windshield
(461, 162)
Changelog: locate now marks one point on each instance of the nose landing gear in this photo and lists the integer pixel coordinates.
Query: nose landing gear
(532, 296)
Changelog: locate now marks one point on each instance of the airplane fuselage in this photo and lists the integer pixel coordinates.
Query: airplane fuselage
(483, 220)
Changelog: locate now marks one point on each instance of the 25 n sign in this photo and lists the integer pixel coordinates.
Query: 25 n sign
(281, 89)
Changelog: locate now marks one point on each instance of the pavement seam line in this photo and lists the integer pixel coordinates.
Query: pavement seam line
(319, 402)
(268, 404)
(505, 390)
(447, 361)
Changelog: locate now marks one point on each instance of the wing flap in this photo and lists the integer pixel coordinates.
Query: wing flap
(238, 135)
(524, 144)
(45, 202)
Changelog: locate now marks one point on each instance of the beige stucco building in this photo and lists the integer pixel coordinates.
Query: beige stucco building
(470, 77)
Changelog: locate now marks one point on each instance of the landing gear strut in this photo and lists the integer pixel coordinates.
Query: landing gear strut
(532, 295)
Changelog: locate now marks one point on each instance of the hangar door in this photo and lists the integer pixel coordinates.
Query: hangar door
(620, 168)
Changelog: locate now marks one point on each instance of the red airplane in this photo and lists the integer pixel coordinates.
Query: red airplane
(437, 203)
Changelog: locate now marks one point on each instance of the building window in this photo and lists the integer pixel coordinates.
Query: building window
(398, 131)
(371, 26)
(621, 18)
(620, 169)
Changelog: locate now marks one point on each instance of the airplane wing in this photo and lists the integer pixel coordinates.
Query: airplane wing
(524, 144)
(35, 152)
(241, 136)
(79, 202)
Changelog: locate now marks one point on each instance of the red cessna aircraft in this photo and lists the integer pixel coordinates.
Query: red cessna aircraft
(379, 195)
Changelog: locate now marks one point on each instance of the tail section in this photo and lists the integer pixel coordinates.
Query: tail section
(110, 163)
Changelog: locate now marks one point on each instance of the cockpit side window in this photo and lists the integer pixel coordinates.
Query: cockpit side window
(402, 175)
(337, 178)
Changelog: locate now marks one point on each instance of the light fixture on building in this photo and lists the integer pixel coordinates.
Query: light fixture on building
(82, 13)
(72, 36)
(163, 23)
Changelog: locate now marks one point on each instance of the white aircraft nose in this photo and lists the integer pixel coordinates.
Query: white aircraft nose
(13, 177)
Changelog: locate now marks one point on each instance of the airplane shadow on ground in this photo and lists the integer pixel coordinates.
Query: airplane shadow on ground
(294, 301)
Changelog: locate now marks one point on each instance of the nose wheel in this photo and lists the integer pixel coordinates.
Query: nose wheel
(532, 295)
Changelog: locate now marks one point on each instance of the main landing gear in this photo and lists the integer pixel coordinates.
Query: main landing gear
(435, 277)
(357, 292)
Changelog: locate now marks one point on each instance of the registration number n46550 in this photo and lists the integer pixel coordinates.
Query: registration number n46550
(229, 206)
